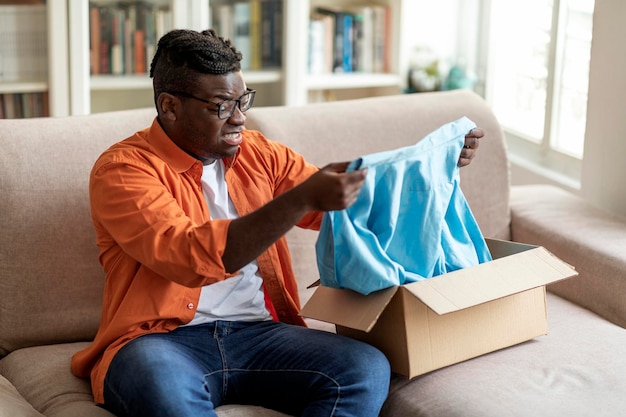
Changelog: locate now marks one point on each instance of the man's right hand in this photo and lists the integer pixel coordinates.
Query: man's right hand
(332, 188)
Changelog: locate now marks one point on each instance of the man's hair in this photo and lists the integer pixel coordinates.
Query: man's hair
(182, 55)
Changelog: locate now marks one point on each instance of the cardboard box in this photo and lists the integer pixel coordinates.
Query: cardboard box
(453, 317)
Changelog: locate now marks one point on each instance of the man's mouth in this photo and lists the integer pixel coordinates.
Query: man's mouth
(233, 139)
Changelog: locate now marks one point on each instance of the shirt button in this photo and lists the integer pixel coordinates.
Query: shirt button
(190, 306)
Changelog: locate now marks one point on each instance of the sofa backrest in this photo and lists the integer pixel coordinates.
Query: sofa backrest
(50, 279)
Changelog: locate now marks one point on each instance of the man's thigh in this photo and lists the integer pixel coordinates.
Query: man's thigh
(302, 371)
(298, 371)
(165, 374)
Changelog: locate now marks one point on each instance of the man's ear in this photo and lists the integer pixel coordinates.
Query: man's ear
(168, 106)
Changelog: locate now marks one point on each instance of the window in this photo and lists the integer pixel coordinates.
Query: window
(537, 77)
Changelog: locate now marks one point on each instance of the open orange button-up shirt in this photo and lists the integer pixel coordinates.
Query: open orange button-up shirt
(158, 246)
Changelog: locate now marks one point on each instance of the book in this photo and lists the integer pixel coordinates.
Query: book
(337, 36)
(256, 35)
(45, 104)
(150, 39)
(162, 22)
(129, 43)
(271, 27)
(106, 37)
(117, 43)
(94, 40)
(124, 36)
(16, 99)
(241, 37)
(342, 38)
(363, 38)
(317, 39)
(381, 42)
(140, 51)
(348, 42)
(8, 103)
(23, 105)
(223, 22)
(277, 33)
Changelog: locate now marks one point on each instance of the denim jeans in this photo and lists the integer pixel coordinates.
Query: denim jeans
(292, 369)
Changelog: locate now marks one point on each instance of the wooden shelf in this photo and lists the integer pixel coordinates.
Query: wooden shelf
(352, 80)
(24, 87)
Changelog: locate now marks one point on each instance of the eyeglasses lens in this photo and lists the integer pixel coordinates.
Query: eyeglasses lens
(227, 108)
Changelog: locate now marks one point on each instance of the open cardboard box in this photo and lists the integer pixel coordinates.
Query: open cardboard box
(429, 324)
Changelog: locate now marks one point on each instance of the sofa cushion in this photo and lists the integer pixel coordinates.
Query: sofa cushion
(42, 374)
(577, 370)
(12, 404)
(50, 279)
(591, 240)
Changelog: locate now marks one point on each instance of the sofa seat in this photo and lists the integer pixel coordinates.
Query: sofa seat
(530, 379)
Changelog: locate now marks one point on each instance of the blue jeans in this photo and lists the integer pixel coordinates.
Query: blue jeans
(292, 369)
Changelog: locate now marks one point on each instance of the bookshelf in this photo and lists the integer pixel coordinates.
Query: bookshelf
(107, 72)
(304, 84)
(102, 91)
(33, 59)
(278, 66)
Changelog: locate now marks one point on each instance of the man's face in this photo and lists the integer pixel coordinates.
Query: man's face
(198, 129)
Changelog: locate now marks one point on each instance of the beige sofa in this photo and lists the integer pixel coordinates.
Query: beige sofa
(51, 282)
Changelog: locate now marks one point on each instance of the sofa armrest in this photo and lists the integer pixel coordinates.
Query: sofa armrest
(588, 238)
(12, 404)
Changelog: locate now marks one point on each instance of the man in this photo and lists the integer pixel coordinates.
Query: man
(200, 302)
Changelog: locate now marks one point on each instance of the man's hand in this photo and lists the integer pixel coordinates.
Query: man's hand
(331, 188)
(471, 145)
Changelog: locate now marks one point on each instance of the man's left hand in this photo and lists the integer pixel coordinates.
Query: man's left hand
(471, 146)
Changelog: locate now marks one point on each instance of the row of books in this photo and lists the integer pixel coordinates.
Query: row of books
(347, 40)
(23, 43)
(23, 105)
(255, 28)
(123, 36)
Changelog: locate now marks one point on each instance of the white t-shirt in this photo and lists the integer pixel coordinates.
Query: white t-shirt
(241, 297)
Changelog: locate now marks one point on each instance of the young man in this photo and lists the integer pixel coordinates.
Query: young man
(200, 302)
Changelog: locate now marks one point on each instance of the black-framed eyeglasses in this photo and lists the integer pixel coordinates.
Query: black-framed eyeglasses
(225, 108)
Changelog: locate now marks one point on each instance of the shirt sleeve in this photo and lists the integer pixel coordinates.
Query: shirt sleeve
(286, 168)
(142, 212)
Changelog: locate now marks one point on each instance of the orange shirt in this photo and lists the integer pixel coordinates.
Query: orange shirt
(158, 246)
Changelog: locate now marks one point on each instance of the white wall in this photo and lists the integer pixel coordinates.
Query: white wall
(604, 163)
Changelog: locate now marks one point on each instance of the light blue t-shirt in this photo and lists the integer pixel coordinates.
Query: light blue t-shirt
(410, 221)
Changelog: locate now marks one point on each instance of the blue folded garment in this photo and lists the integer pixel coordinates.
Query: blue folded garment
(410, 221)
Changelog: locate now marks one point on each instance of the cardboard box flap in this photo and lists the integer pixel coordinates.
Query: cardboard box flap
(347, 308)
(529, 268)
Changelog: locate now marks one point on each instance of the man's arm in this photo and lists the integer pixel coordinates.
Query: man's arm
(331, 188)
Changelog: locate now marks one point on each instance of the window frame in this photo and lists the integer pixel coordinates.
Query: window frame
(540, 157)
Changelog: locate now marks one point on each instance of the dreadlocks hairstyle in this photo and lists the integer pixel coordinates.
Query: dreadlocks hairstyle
(183, 54)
